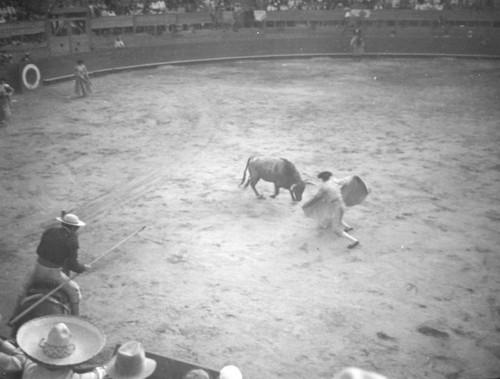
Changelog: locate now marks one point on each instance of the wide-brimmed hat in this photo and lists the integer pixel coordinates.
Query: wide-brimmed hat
(230, 372)
(71, 219)
(130, 362)
(60, 340)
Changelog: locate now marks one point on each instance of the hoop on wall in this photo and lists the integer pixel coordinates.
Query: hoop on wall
(31, 77)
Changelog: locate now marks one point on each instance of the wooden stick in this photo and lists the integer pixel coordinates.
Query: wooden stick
(39, 301)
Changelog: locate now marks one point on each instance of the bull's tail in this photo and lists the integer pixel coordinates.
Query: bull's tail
(245, 171)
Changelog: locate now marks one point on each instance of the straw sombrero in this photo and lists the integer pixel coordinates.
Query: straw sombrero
(71, 219)
(60, 340)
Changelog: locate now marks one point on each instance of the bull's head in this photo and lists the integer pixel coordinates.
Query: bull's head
(297, 189)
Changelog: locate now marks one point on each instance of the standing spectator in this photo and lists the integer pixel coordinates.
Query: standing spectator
(6, 92)
(83, 85)
(357, 44)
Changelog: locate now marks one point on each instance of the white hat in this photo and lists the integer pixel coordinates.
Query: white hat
(71, 219)
(60, 340)
(357, 373)
(130, 362)
(230, 372)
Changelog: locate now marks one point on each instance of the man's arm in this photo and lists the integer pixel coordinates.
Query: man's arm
(12, 359)
(72, 262)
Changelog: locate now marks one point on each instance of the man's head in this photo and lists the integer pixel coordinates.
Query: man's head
(325, 175)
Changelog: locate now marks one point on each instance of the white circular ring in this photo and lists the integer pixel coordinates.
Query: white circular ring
(24, 74)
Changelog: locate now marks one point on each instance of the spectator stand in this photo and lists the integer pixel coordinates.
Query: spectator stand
(69, 30)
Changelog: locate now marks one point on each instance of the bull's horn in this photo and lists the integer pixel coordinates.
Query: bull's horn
(306, 182)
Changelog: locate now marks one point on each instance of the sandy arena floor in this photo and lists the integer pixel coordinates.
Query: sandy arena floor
(221, 277)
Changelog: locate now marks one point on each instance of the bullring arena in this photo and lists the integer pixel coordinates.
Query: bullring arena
(218, 276)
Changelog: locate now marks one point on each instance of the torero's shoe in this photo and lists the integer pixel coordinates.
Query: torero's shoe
(353, 245)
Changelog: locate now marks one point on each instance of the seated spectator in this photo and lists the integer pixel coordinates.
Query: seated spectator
(12, 359)
(196, 374)
(130, 362)
(119, 42)
(55, 344)
(230, 372)
(356, 373)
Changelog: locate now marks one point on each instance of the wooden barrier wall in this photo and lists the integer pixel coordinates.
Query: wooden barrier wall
(484, 19)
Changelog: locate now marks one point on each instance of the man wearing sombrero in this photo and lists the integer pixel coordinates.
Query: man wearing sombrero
(55, 344)
(58, 249)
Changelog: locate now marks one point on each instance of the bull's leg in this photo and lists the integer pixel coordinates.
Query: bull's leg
(276, 191)
(253, 184)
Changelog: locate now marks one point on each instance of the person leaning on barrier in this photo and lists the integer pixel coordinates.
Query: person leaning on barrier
(357, 44)
(56, 344)
(58, 248)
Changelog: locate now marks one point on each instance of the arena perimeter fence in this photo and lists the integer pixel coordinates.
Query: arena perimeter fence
(186, 38)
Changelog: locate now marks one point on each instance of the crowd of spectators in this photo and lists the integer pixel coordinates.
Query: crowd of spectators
(10, 11)
(99, 8)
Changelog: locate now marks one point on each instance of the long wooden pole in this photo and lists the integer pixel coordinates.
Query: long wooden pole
(39, 301)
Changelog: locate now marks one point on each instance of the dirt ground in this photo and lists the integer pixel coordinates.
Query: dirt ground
(220, 277)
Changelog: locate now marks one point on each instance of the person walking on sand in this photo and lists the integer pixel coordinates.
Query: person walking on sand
(83, 85)
(327, 206)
